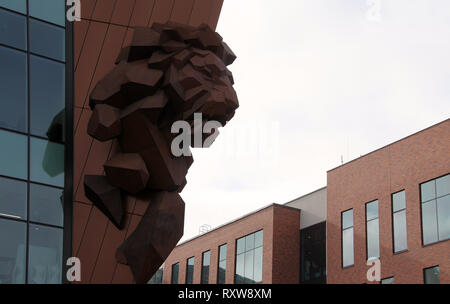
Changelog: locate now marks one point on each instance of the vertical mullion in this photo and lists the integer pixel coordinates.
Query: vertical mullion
(28, 145)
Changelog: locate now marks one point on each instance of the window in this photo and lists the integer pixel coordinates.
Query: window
(190, 270)
(432, 275)
(13, 155)
(49, 10)
(372, 230)
(13, 198)
(46, 162)
(175, 270)
(47, 40)
(222, 269)
(249, 259)
(157, 277)
(13, 29)
(399, 221)
(15, 5)
(13, 236)
(206, 260)
(435, 201)
(388, 281)
(313, 254)
(347, 238)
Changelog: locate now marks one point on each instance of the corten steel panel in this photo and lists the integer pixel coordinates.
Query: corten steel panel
(106, 26)
(276, 221)
(403, 165)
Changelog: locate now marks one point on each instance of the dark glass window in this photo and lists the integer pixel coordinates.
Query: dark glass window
(45, 255)
(206, 261)
(313, 254)
(175, 269)
(13, 155)
(157, 277)
(432, 275)
(399, 221)
(249, 259)
(13, 29)
(12, 252)
(388, 281)
(46, 205)
(15, 5)
(347, 238)
(46, 162)
(190, 270)
(372, 230)
(13, 198)
(49, 10)
(13, 89)
(47, 40)
(222, 269)
(435, 201)
(47, 93)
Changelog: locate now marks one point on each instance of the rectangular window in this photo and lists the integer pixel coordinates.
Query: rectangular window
(399, 221)
(435, 202)
(372, 231)
(206, 260)
(190, 270)
(432, 275)
(222, 269)
(313, 254)
(388, 281)
(175, 269)
(249, 259)
(347, 238)
(157, 277)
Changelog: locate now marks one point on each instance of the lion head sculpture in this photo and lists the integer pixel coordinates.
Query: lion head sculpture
(169, 73)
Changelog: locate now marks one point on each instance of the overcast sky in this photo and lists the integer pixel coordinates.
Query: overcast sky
(317, 79)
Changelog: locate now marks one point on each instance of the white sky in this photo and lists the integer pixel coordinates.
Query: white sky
(317, 79)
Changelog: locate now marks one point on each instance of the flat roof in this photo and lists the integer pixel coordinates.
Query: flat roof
(305, 195)
(383, 147)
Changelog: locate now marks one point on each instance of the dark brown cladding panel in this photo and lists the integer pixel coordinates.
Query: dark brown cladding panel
(106, 26)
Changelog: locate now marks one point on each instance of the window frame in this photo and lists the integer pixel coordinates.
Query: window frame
(342, 237)
(393, 221)
(252, 250)
(367, 230)
(429, 268)
(187, 270)
(221, 260)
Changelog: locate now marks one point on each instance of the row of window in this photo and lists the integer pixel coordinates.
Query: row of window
(435, 207)
(249, 254)
(430, 276)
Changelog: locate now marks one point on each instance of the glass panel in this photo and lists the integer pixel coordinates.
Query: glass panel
(190, 271)
(47, 40)
(12, 252)
(13, 88)
(46, 205)
(259, 236)
(388, 281)
(222, 272)
(400, 240)
(432, 275)
(240, 246)
(372, 210)
(258, 265)
(443, 185)
(428, 191)
(347, 219)
(429, 225)
(240, 259)
(15, 5)
(347, 247)
(443, 208)
(249, 242)
(398, 201)
(373, 239)
(47, 93)
(248, 272)
(49, 10)
(223, 252)
(13, 29)
(13, 198)
(46, 162)
(45, 255)
(13, 154)
(175, 268)
(205, 267)
(157, 277)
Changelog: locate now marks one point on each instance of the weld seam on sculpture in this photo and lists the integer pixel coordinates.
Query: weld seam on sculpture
(168, 73)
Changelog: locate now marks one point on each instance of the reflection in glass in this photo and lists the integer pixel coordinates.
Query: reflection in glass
(373, 239)
(46, 205)
(190, 271)
(46, 162)
(432, 275)
(388, 281)
(248, 268)
(347, 247)
(443, 208)
(429, 227)
(206, 259)
(400, 240)
(47, 40)
(443, 185)
(347, 219)
(13, 198)
(428, 191)
(240, 262)
(372, 210)
(45, 252)
(175, 269)
(398, 201)
(259, 238)
(13, 87)
(49, 10)
(221, 273)
(248, 263)
(240, 245)
(13, 155)
(258, 264)
(15, 5)
(12, 252)
(13, 29)
(157, 277)
(249, 242)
